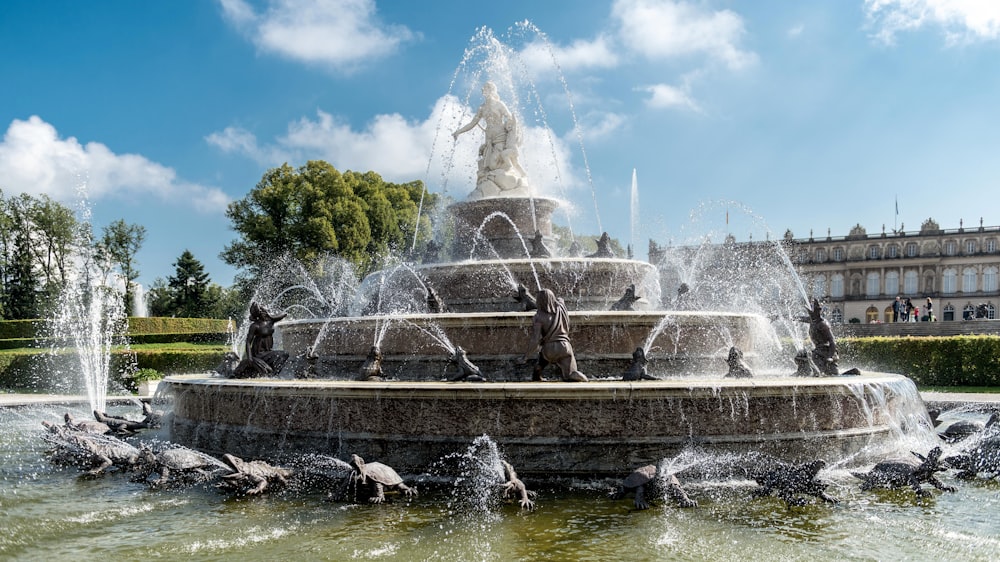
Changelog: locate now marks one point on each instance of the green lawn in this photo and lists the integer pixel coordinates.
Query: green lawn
(970, 389)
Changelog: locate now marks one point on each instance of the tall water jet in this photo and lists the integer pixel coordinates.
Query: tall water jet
(633, 211)
(89, 321)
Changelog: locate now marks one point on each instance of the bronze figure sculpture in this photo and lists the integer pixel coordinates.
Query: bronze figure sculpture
(550, 339)
(260, 359)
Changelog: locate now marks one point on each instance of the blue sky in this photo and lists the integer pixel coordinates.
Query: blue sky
(791, 115)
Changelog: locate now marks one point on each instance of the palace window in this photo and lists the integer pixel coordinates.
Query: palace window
(949, 248)
(970, 246)
(990, 279)
(837, 316)
(821, 255)
(837, 286)
(911, 282)
(819, 286)
(991, 311)
(968, 312)
(949, 312)
(838, 254)
(872, 287)
(873, 252)
(892, 283)
(990, 246)
(911, 250)
(949, 280)
(969, 280)
(892, 251)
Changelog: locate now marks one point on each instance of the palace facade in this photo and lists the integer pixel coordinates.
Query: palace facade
(859, 276)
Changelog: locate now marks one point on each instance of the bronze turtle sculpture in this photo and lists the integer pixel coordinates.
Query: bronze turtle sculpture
(251, 477)
(983, 457)
(374, 478)
(151, 419)
(791, 482)
(96, 452)
(647, 478)
(176, 465)
(86, 426)
(900, 473)
(963, 429)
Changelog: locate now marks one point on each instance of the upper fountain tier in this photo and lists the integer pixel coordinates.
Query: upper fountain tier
(507, 241)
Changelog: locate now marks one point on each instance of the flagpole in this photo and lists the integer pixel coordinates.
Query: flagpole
(895, 221)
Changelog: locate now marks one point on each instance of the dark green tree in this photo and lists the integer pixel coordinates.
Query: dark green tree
(160, 298)
(315, 211)
(119, 245)
(189, 286)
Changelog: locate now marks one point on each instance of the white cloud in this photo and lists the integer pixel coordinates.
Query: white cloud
(35, 160)
(961, 20)
(665, 29)
(601, 124)
(401, 150)
(796, 30)
(665, 96)
(341, 33)
(538, 56)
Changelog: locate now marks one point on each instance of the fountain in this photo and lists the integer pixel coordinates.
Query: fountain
(408, 414)
(458, 436)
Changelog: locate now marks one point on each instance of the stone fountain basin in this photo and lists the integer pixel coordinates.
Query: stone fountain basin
(583, 283)
(415, 346)
(595, 428)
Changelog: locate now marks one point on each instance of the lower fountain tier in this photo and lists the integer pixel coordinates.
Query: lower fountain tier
(582, 283)
(417, 346)
(596, 428)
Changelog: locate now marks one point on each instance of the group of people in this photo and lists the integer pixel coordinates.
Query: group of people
(903, 310)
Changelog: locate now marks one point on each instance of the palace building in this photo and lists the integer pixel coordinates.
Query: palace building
(858, 277)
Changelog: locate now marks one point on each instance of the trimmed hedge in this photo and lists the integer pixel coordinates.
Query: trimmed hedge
(20, 329)
(929, 361)
(30, 329)
(44, 371)
(177, 326)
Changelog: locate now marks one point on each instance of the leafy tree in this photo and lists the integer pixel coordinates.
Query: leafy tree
(315, 211)
(119, 245)
(55, 230)
(22, 293)
(6, 252)
(226, 302)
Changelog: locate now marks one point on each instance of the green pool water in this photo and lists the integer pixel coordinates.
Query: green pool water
(53, 513)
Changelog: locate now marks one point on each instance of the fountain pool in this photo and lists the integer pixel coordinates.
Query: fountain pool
(52, 513)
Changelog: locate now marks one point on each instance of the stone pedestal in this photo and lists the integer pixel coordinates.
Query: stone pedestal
(501, 227)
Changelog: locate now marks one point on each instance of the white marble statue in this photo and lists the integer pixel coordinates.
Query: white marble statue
(500, 174)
